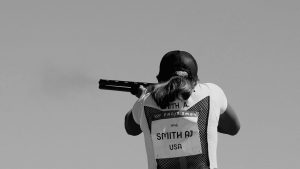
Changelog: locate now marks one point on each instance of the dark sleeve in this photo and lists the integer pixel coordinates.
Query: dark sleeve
(229, 122)
(131, 127)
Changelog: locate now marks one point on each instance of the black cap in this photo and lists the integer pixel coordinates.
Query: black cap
(174, 61)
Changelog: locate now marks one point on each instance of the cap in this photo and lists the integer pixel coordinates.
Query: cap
(177, 61)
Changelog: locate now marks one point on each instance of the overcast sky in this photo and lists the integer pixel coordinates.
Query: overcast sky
(52, 54)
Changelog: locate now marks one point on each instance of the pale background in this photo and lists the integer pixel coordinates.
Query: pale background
(53, 116)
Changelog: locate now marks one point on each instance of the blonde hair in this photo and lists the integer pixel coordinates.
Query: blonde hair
(179, 87)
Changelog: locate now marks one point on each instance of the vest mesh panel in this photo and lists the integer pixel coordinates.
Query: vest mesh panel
(199, 161)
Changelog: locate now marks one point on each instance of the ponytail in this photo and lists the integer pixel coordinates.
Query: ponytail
(178, 87)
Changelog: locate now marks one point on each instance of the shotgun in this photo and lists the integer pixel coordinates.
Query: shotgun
(124, 86)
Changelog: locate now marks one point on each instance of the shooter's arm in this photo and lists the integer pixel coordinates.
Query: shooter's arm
(131, 127)
(229, 122)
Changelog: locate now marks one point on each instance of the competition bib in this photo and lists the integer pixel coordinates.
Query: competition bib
(175, 134)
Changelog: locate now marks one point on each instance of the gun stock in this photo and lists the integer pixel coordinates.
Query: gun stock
(118, 85)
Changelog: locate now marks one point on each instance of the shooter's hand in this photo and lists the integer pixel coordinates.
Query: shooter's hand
(139, 91)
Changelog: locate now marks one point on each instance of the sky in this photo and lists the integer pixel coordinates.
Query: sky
(53, 53)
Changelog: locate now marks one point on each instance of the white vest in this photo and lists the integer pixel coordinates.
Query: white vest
(184, 135)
